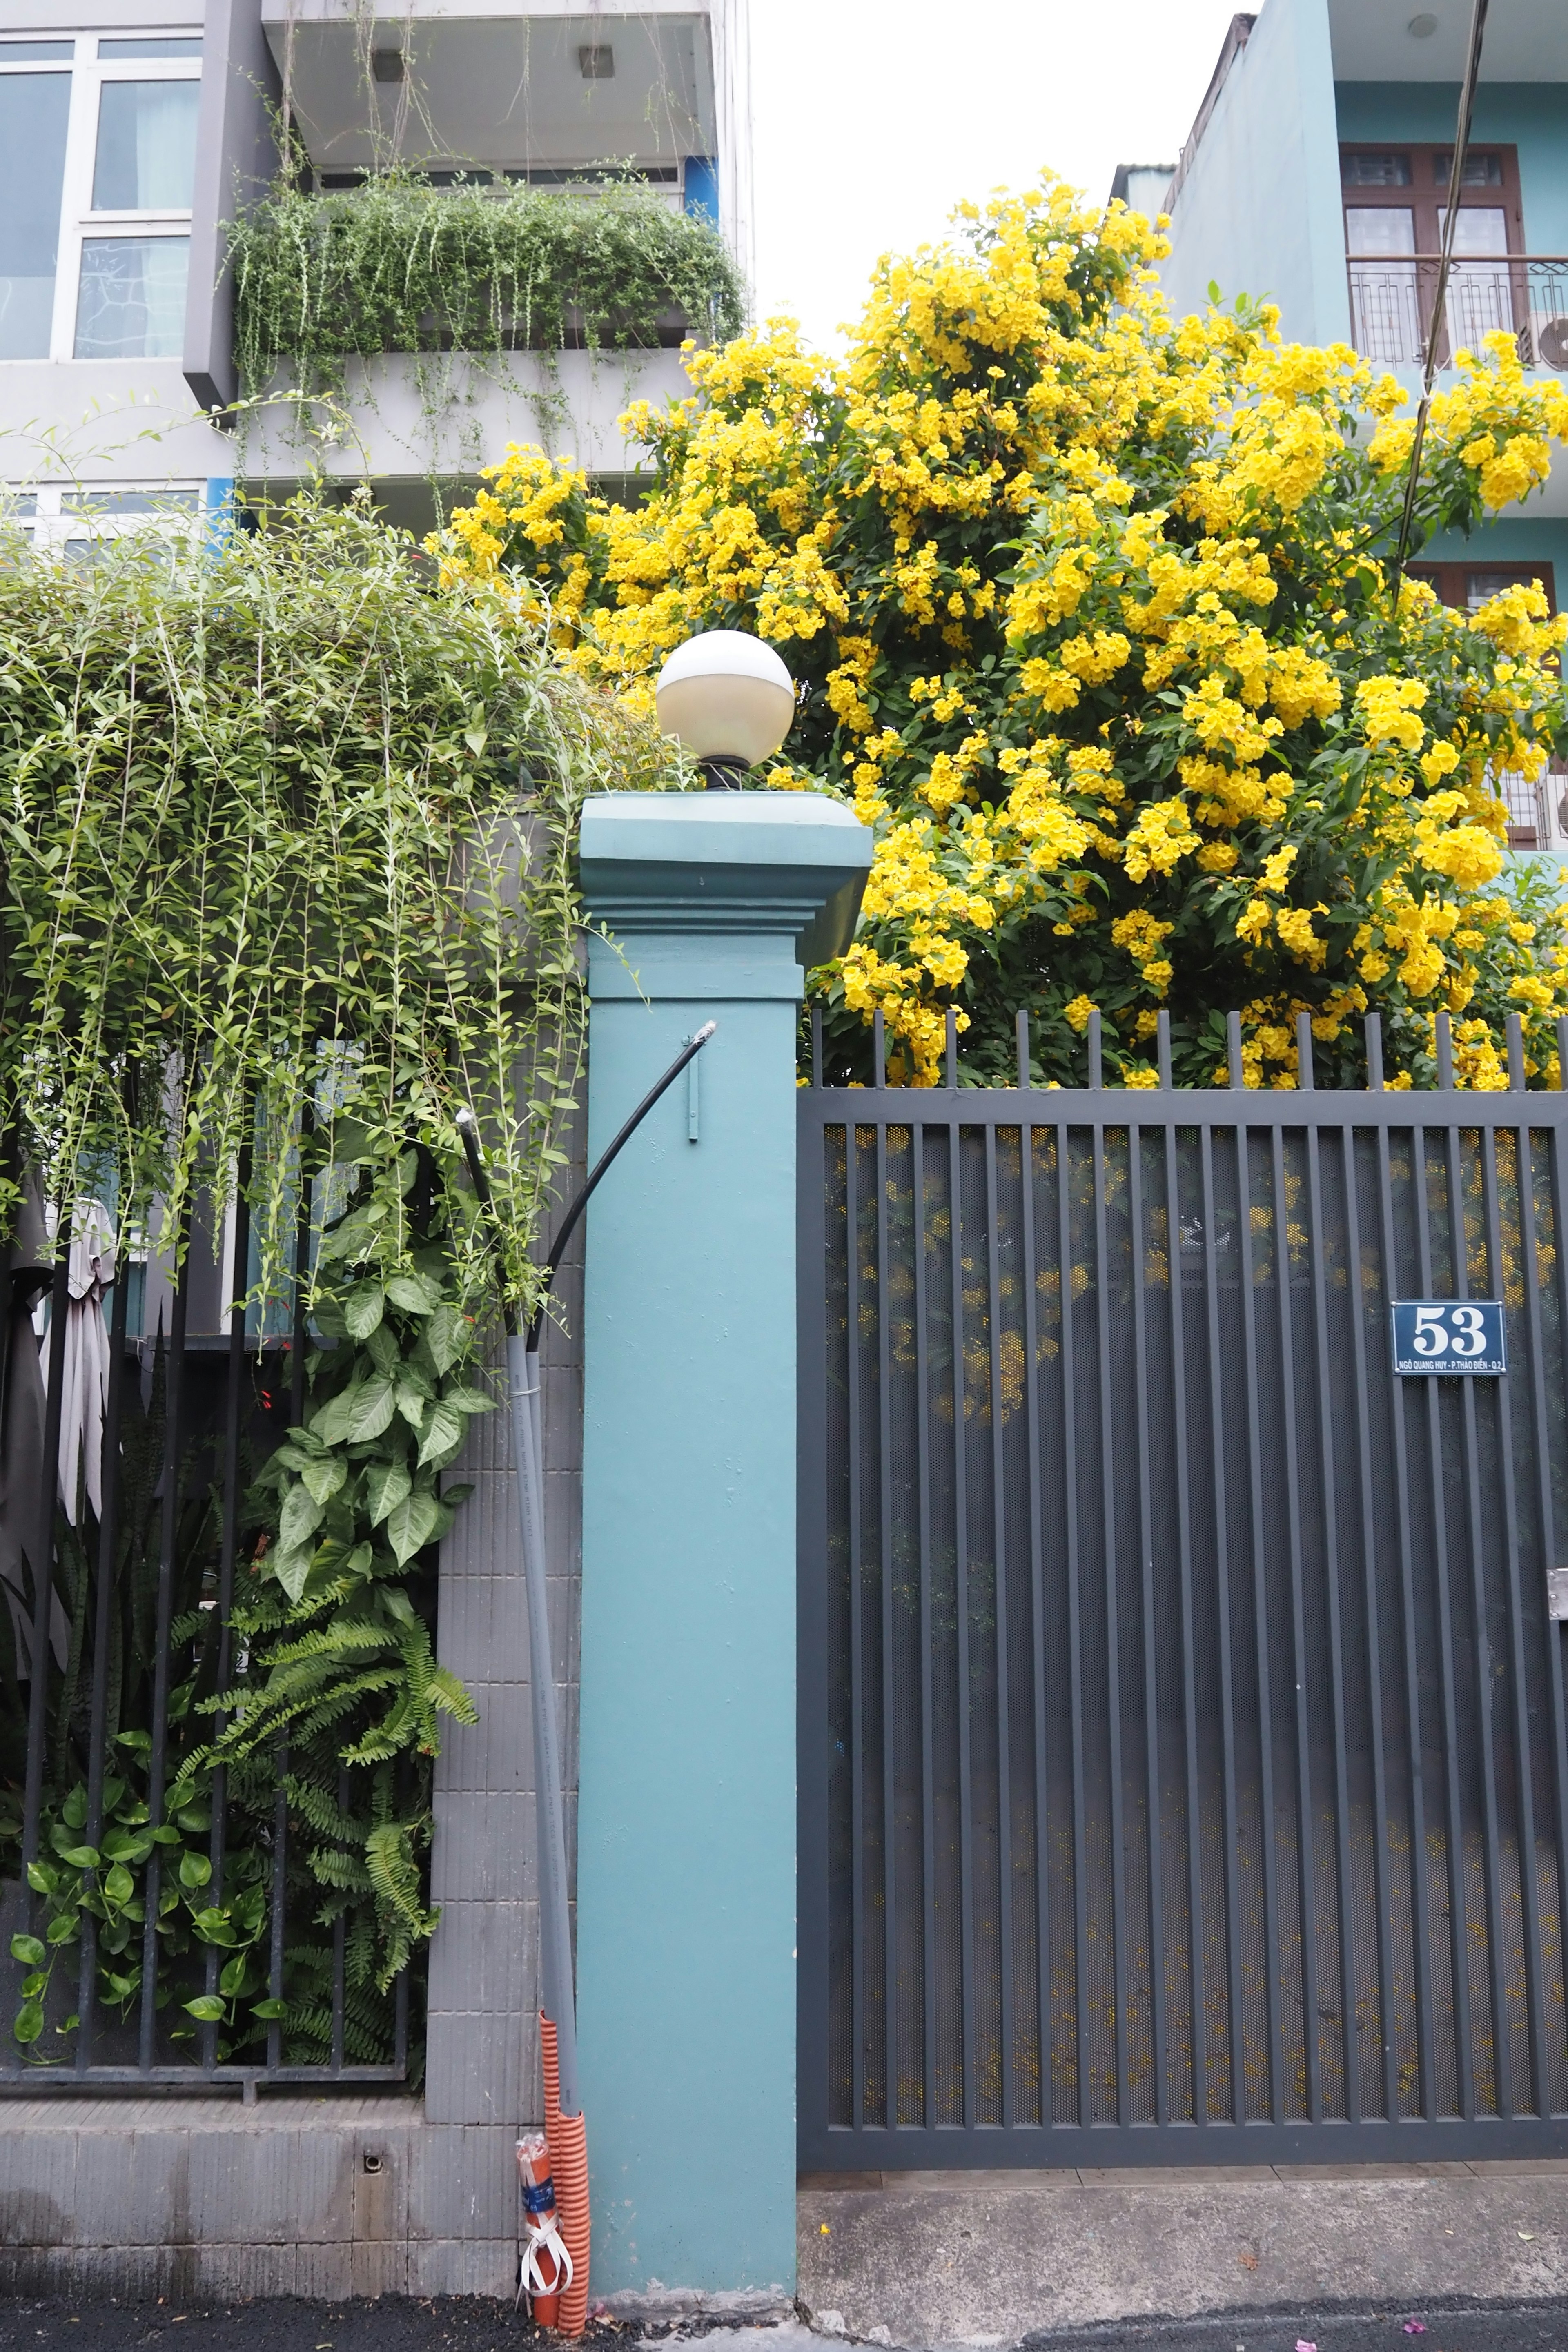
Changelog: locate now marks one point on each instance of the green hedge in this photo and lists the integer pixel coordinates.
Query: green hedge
(398, 266)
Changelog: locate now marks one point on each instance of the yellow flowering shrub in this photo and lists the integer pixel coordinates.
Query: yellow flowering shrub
(1098, 632)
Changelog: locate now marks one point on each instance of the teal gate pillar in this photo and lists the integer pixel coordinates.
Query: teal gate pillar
(686, 1835)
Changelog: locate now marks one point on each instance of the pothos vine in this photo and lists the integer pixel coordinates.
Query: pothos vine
(285, 877)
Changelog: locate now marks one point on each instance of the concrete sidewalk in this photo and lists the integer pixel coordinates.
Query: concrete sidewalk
(983, 2260)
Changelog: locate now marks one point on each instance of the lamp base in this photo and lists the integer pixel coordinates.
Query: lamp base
(722, 774)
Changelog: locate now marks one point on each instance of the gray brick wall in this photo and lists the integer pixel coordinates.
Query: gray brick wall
(482, 2056)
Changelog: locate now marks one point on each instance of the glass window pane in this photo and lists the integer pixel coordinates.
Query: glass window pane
(131, 302)
(1480, 228)
(108, 502)
(1379, 228)
(31, 53)
(153, 46)
(1375, 170)
(33, 112)
(146, 146)
(1480, 172)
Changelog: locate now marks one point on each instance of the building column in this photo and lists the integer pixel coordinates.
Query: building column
(686, 1862)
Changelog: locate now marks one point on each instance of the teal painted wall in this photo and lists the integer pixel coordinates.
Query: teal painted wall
(1532, 117)
(1511, 539)
(686, 1870)
(1259, 209)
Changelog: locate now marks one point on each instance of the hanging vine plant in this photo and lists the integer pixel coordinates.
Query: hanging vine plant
(285, 876)
(398, 266)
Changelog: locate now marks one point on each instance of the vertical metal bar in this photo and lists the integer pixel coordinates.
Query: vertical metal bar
(304, 1222)
(1003, 1714)
(1233, 1051)
(400, 2023)
(1149, 1671)
(1369, 1534)
(1197, 1992)
(1259, 1544)
(1547, 1553)
(951, 1078)
(1330, 1488)
(1163, 1048)
(1036, 1587)
(1305, 1847)
(1561, 1028)
(1095, 1056)
(817, 1045)
(1516, 1075)
(102, 1623)
(340, 1941)
(1075, 1628)
(890, 1728)
(1503, 2055)
(1444, 1042)
(1021, 1032)
(280, 1893)
(1458, 1921)
(816, 1731)
(1528, 1889)
(1222, 1460)
(857, 1660)
(233, 1419)
(879, 1065)
(1419, 1888)
(961, 1530)
(928, 1773)
(1112, 1628)
(1372, 1030)
(1305, 1079)
(42, 1564)
(173, 1432)
(1549, 1529)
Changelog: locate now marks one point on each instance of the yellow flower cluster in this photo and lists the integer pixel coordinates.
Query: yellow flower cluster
(1097, 639)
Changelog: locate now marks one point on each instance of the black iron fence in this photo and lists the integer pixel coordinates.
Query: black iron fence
(1393, 306)
(1184, 1731)
(161, 1927)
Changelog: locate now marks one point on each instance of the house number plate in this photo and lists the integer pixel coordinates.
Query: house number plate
(1448, 1336)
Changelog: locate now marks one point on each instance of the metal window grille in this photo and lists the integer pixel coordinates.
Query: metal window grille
(90, 1622)
(1184, 1734)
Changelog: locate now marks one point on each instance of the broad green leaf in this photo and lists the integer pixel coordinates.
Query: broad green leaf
(34, 1983)
(449, 1335)
(73, 1812)
(195, 1870)
(41, 1878)
(467, 1400)
(292, 1568)
(231, 1977)
(330, 1425)
(411, 1526)
(119, 1886)
(214, 1926)
(412, 1404)
(269, 2010)
(207, 2007)
(444, 1435)
(81, 1857)
(29, 2021)
(416, 1293)
(65, 1928)
(300, 1519)
(323, 1478)
(375, 1402)
(363, 1308)
(28, 1951)
(386, 1484)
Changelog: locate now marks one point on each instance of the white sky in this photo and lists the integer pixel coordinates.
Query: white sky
(873, 118)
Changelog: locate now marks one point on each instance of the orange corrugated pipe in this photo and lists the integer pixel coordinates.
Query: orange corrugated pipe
(569, 2169)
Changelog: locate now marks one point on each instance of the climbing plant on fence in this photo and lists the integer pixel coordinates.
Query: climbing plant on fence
(285, 874)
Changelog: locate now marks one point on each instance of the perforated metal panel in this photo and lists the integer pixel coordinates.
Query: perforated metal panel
(1183, 1746)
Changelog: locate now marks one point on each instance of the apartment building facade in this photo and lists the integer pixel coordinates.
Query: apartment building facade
(132, 132)
(1317, 174)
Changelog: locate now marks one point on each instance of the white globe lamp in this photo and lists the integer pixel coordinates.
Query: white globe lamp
(729, 699)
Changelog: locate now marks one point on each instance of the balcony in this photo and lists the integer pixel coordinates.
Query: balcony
(1393, 307)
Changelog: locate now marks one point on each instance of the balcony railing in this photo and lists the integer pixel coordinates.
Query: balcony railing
(1393, 301)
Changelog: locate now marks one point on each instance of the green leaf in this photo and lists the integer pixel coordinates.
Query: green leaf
(28, 1951)
(269, 2010)
(363, 1308)
(81, 1857)
(64, 1927)
(231, 1977)
(386, 1484)
(444, 1435)
(292, 1568)
(416, 1293)
(323, 1478)
(449, 1335)
(207, 2009)
(330, 1425)
(29, 2021)
(195, 1870)
(411, 1526)
(119, 1886)
(300, 1518)
(374, 1402)
(413, 1402)
(467, 1400)
(42, 1879)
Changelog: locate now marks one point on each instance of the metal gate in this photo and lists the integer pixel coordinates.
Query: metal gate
(1184, 1747)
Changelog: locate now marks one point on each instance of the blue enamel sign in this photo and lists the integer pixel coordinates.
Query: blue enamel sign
(1447, 1336)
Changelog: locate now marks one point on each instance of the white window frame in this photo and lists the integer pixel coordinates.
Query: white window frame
(78, 221)
(53, 519)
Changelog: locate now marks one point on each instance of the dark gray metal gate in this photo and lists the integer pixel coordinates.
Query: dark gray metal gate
(1184, 1743)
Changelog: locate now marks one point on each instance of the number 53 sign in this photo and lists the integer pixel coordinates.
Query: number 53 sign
(1448, 1334)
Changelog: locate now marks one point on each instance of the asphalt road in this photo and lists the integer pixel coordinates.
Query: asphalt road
(465, 2324)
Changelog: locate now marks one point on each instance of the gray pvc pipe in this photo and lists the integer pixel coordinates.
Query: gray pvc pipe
(559, 2000)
